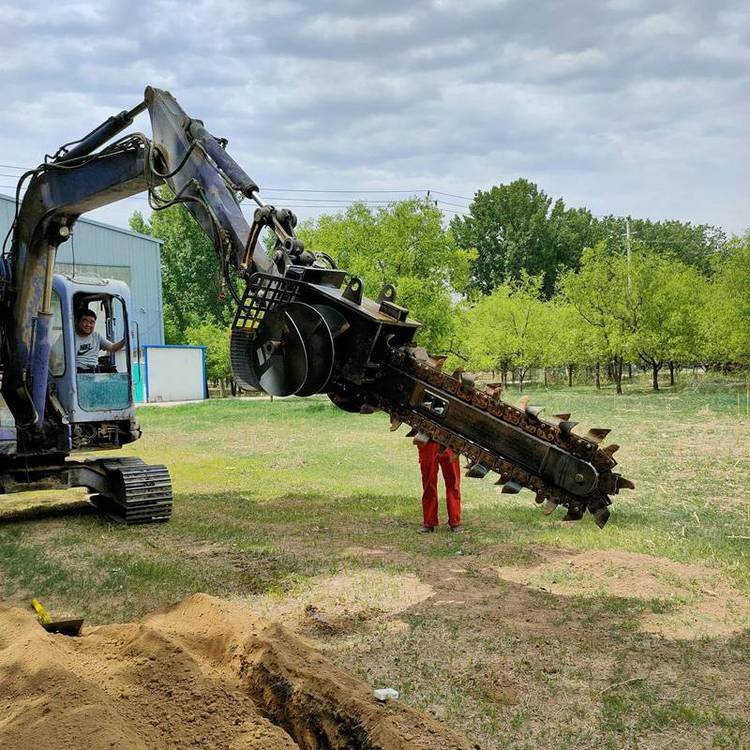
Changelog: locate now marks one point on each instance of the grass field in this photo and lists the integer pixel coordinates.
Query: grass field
(525, 632)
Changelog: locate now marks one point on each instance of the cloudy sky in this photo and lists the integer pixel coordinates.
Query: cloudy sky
(633, 107)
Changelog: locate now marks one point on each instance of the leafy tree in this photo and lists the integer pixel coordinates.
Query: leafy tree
(600, 294)
(573, 342)
(666, 296)
(191, 282)
(697, 245)
(404, 244)
(516, 229)
(726, 315)
(508, 329)
(216, 340)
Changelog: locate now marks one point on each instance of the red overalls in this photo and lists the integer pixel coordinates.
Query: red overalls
(432, 455)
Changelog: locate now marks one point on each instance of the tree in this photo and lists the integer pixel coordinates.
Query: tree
(516, 229)
(191, 277)
(405, 244)
(696, 245)
(508, 329)
(215, 339)
(599, 292)
(573, 342)
(666, 296)
(726, 318)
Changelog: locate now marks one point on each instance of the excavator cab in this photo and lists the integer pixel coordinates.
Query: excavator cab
(95, 401)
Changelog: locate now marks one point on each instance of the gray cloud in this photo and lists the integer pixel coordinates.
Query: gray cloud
(624, 106)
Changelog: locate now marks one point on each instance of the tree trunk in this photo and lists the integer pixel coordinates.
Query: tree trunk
(570, 376)
(222, 394)
(504, 376)
(630, 371)
(655, 370)
(617, 372)
(611, 371)
(671, 372)
(598, 376)
(545, 376)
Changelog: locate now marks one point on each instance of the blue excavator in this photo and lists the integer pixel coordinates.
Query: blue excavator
(302, 326)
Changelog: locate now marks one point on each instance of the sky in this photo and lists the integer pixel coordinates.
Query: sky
(626, 107)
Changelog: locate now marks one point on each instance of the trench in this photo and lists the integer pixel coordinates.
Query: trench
(323, 708)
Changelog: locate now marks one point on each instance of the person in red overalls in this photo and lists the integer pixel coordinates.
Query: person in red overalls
(432, 455)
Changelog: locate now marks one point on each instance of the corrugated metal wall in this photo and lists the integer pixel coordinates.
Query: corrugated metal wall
(124, 255)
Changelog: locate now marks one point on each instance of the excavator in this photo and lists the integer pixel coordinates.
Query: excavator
(302, 326)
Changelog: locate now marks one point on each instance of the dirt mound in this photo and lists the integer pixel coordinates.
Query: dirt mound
(680, 601)
(202, 673)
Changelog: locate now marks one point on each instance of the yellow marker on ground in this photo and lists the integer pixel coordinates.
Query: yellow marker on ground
(65, 627)
(41, 612)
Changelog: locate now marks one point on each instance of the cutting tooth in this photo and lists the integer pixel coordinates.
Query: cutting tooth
(539, 499)
(575, 513)
(601, 516)
(567, 426)
(395, 423)
(493, 390)
(624, 484)
(610, 450)
(437, 361)
(597, 434)
(467, 381)
(562, 417)
(412, 432)
(421, 438)
(523, 402)
(511, 488)
(549, 506)
(477, 471)
(534, 411)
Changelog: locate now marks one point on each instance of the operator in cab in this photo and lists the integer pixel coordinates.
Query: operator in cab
(89, 343)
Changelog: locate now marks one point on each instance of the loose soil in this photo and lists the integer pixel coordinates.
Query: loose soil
(201, 673)
(688, 601)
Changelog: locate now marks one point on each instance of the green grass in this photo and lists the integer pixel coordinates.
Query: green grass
(273, 497)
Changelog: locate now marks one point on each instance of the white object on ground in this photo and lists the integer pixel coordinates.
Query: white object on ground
(385, 694)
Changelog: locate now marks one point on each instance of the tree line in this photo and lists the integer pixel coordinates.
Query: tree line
(520, 282)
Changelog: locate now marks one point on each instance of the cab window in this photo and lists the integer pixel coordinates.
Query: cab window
(57, 338)
(108, 386)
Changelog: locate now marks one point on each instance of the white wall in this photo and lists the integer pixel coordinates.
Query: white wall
(174, 373)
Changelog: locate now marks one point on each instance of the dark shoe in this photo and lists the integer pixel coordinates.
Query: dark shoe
(425, 529)
(457, 529)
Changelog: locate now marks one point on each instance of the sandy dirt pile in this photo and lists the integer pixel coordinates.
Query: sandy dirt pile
(202, 673)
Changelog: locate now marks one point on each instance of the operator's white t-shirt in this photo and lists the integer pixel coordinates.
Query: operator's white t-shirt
(88, 348)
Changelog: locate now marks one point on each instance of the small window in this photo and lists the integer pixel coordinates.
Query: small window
(57, 350)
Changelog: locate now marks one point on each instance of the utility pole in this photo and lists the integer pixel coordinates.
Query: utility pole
(627, 248)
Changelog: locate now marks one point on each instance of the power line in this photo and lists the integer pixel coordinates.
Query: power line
(313, 190)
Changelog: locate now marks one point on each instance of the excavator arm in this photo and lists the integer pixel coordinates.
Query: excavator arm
(302, 326)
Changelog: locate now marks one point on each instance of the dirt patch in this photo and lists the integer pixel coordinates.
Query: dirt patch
(202, 673)
(680, 601)
(339, 603)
